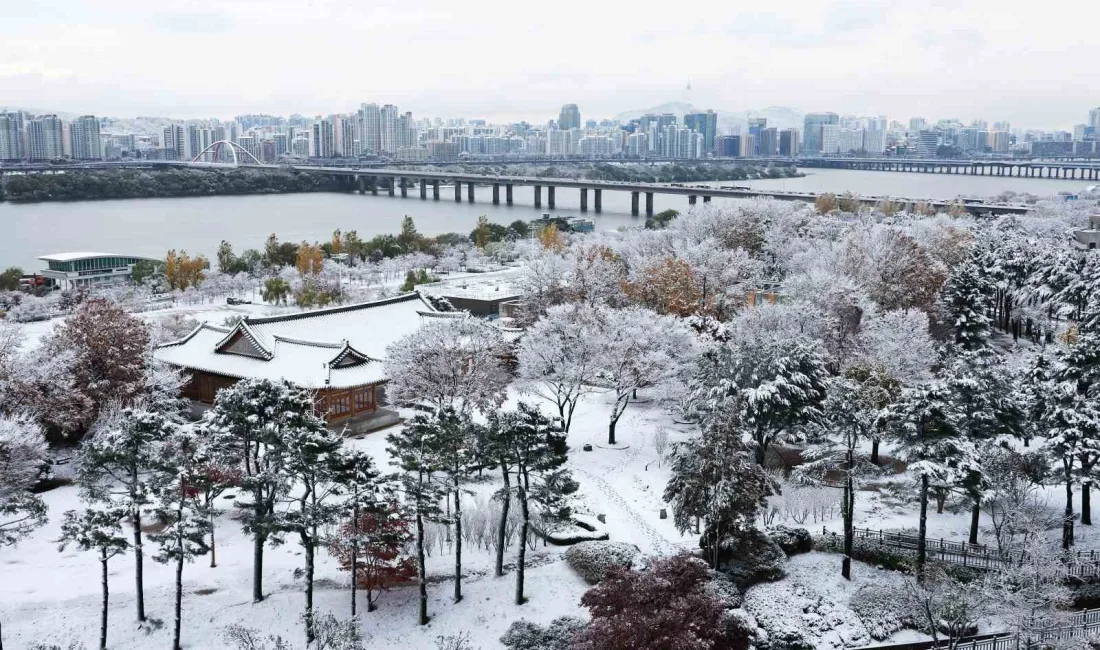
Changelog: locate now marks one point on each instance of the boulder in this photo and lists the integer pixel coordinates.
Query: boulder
(792, 540)
(748, 558)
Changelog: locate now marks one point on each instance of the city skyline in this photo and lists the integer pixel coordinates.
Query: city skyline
(122, 58)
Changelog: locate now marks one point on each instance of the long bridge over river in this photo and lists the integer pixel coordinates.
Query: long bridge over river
(394, 180)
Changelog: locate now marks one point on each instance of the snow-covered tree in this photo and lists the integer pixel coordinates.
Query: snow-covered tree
(119, 466)
(768, 385)
(558, 356)
(22, 458)
(181, 505)
(637, 349)
(251, 418)
(533, 446)
(893, 267)
(316, 468)
(716, 486)
(109, 346)
(456, 457)
(965, 302)
(456, 362)
(898, 341)
(415, 449)
(924, 433)
(850, 415)
(373, 548)
(97, 529)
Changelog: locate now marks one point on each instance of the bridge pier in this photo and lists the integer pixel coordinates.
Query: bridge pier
(584, 199)
(550, 196)
(362, 181)
(435, 190)
(691, 199)
(373, 182)
(598, 197)
(458, 192)
(706, 199)
(390, 184)
(538, 196)
(496, 193)
(508, 194)
(634, 203)
(423, 189)
(470, 192)
(649, 204)
(404, 189)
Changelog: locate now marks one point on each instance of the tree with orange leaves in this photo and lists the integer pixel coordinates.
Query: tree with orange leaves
(668, 286)
(309, 259)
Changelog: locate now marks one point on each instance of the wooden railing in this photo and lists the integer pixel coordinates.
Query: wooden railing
(1081, 624)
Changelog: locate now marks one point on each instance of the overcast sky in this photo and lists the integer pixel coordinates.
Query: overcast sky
(1036, 64)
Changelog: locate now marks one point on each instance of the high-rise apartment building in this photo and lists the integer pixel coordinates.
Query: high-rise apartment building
(388, 126)
(370, 128)
(11, 136)
(705, 123)
(45, 138)
(323, 140)
(830, 139)
(874, 141)
(406, 131)
(812, 130)
(174, 144)
(346, 135)
(85, 138)
(1094, 119)
(569, 117)
(756, 130)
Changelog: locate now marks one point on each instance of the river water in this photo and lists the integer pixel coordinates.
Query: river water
(150, 227)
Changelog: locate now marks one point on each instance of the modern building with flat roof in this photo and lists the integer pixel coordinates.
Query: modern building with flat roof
(84, 270)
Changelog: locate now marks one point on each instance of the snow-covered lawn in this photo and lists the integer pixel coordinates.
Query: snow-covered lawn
(47, 595)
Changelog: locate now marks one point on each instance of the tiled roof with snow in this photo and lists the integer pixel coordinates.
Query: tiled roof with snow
(339, 347)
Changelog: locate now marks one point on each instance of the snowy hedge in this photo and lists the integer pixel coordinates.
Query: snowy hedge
(866, 550)
(560, 634)
(881, 611)
(750, 558)
(796, 617)
(593, 559)
(723, 588)
(792, 540)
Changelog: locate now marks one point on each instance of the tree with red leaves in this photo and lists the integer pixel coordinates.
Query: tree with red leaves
(374, 548)
(666, 607)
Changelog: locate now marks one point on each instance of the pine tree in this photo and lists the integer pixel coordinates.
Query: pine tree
(118, 467)
(97, 529)
(921, 427)
(965, 303)
(415, 449)
(456, 458)
(217, 471)
(532, 445)
(250, 418)
(179, 503)
(314, 465)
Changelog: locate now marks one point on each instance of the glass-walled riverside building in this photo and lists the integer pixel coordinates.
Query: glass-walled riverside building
(73, 270)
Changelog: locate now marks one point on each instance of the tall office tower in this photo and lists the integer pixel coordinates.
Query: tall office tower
(874, 141)
(916, 124)
(173, 143)
(748, 146)
(789, 144)
(388, 128)
(45, 138)
(1094, 118)
(11, 136)
(728, 146)
(85, 138)
(756, 130)
(193, 141)
(769, 142)
(569, 118)
(811, 130)
(705, 123)
(323, 142)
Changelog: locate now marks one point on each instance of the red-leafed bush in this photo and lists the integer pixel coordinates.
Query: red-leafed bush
(374, 547)
(665, 607)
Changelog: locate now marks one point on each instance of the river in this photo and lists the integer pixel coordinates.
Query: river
(150, 227)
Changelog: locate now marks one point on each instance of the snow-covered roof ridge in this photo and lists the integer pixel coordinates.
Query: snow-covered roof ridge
(339, 347)
(198, 328)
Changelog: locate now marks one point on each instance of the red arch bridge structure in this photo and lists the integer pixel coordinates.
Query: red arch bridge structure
(213, 155)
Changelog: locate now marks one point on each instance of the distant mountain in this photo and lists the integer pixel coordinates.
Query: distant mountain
(778, 116)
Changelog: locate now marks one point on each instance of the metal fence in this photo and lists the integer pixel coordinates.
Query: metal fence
(1081, 624)
(1081, 564)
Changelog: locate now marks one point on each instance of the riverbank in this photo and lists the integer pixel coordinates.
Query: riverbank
(158, 183)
